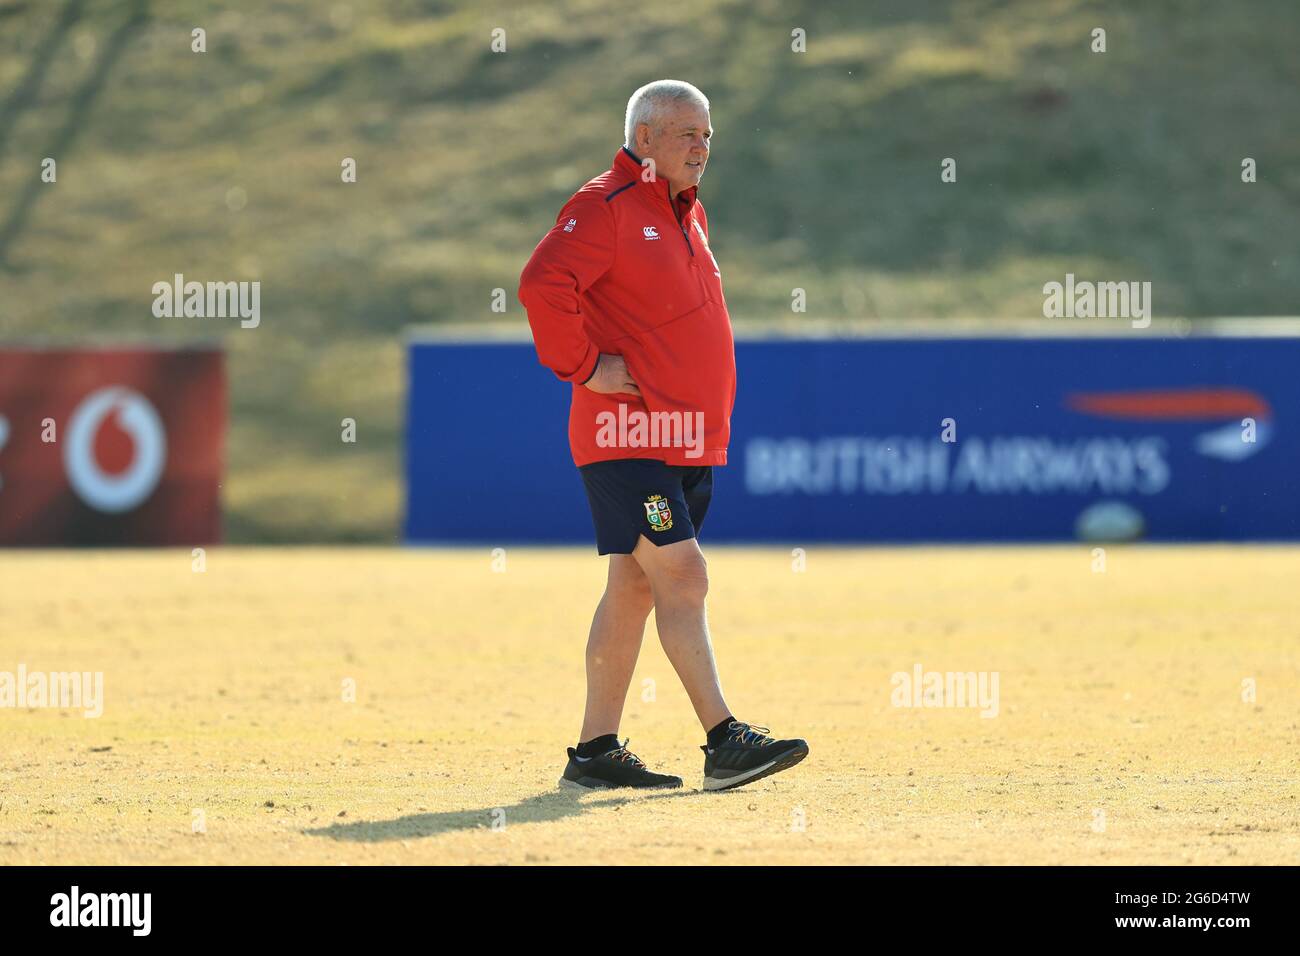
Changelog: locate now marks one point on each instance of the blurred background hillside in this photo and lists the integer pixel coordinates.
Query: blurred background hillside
(825, 176)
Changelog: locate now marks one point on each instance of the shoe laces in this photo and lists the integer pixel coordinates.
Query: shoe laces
(623, 755)
(749, 734)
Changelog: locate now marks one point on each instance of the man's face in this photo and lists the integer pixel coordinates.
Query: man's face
(679, 145)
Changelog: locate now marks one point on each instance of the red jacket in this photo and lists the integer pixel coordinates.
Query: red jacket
(628, 271)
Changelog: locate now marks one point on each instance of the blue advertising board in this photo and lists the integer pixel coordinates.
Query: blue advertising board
(897, 440)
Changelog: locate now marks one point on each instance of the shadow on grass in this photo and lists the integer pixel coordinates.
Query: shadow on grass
(79, 112)
(28, 90)
(544, 808)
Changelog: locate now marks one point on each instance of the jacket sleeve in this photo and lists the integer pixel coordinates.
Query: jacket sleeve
(573, 255)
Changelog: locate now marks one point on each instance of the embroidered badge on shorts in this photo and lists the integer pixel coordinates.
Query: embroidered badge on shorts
(658, 513)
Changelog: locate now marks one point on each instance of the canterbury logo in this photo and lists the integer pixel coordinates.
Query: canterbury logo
(650, 232)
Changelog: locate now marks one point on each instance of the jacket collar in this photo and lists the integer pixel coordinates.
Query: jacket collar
(629, 162)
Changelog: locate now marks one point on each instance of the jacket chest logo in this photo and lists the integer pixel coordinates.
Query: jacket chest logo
(650, 232)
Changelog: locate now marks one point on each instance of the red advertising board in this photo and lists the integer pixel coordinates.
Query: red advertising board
(111, 446)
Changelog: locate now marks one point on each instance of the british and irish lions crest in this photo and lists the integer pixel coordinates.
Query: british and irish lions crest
(658, 513)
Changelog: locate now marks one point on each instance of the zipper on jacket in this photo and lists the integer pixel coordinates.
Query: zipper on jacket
(672, 210)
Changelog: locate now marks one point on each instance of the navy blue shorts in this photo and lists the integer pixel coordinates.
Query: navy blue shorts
(633, 498)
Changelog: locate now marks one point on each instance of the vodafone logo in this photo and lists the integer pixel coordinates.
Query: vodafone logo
(115, 449)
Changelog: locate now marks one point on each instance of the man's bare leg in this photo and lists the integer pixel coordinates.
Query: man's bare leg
(679, 581)
(614, 644)
(737, 753)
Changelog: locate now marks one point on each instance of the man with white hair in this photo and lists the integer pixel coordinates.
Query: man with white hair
(625, 301)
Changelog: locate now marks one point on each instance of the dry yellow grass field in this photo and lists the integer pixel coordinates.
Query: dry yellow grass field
(1122, 735)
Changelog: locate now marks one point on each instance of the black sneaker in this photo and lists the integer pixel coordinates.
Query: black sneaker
(748, 755)
(617, 768)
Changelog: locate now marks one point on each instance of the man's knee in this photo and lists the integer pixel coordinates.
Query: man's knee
(681, 578)
(629, 587)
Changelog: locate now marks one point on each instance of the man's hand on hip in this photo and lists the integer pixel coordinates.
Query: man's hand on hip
(611, 376)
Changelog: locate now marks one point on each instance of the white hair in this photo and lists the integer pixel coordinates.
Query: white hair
(646, 103)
